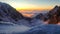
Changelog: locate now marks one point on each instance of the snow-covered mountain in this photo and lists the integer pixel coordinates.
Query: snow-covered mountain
(54, 15)
(8, 13)
(26, 25)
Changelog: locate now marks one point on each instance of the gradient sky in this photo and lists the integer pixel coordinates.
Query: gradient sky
(32, 4)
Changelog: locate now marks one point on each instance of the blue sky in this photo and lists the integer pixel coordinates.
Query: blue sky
(32, 3)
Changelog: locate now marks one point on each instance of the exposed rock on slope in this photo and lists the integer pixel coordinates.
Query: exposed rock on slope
(54, 15)
(8, 13)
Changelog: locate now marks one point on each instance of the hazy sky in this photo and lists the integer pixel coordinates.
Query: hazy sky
(32, 4)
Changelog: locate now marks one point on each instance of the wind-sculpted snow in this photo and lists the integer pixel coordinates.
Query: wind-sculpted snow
(44, 29)
(21, 28)
(9, 28)
(6, 28)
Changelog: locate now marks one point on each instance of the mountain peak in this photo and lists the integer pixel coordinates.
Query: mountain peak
(56, 6)
(8, 13)
(54, 15)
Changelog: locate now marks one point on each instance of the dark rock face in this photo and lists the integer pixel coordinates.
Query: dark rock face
(8, 13)
(54, 15)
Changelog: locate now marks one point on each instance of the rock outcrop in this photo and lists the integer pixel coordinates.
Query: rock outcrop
(54, 15)
(8, 13)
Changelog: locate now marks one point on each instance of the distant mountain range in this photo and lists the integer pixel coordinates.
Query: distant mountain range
(10, 14)
(13, 22)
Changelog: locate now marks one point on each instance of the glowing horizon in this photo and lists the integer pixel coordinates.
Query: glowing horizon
(23, 6)
(32, 4)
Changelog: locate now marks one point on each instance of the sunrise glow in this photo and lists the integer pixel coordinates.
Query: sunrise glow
(32, 4)
(24, 6)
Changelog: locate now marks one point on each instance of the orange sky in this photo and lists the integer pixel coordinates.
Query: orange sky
(30, 5)
(23, 10)
(34, 8)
